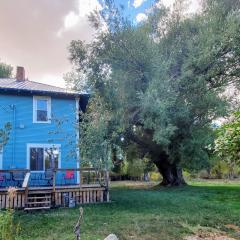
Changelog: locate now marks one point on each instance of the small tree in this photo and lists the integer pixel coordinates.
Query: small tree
(4, 135)
(5, 70)
(227, 144)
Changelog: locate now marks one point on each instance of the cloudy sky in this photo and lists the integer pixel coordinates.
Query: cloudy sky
(36, 33)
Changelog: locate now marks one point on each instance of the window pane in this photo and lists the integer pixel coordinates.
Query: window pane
(42, 104)
(51, 156)
(36, 159)
(42, 116)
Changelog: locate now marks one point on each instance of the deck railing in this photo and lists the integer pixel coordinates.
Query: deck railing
(83, 176)
(55, 177)
(12, 177)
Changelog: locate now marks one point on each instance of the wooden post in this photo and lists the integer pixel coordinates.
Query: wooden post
(80, 179)
(25, 185)
(54, 180)
(77, 229)
(106, 185)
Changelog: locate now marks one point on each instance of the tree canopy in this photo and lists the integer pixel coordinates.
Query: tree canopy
(5, 70)
(158, 84)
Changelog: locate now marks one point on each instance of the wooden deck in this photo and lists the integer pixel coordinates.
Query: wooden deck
(33, 198)
(83, 195)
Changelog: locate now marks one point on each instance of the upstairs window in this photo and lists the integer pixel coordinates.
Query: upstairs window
(41, 109)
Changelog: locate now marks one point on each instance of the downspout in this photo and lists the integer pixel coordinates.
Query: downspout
(77, 138)
(13, 107)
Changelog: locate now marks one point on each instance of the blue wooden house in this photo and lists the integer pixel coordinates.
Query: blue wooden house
(42, 149)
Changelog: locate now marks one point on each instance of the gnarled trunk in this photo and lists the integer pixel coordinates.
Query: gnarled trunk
(171, 173)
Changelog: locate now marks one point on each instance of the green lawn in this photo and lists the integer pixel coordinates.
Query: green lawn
(139, 211)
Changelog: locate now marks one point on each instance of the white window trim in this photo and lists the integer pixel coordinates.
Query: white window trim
(49, 108)
(1, 158)
(43, 145)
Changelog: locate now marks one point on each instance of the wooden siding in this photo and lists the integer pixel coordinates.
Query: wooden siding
(24, 131)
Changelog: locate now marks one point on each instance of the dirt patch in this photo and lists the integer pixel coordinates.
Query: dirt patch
(202, 235)
(233, 227)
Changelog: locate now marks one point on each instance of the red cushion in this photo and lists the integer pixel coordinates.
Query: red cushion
(69, 174)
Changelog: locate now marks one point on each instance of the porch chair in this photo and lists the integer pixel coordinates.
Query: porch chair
(18, 177)
(2, 181)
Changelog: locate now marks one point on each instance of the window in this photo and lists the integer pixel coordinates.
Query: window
(43, 157)
(41, 109)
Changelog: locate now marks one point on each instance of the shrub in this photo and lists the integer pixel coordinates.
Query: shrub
(187, 175)
(8, 230)
(155, 176)
(220, 170)
(204, 174)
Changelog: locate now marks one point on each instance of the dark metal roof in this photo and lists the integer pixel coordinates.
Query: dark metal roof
(12, 85)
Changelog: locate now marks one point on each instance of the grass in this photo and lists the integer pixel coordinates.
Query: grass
(139, 211)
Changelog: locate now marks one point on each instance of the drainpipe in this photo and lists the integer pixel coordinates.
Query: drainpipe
(77, 138)
(13, 107)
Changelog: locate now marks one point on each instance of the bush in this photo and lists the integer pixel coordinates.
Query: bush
(155, 176)
(187, 175)
(8, 230)
(204, 174)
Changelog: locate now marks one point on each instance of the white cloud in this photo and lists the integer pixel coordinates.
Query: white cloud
(138, 3)
(70, 20)
(85, 7)
(168, 3)
(55, 80)
(141, 17)
(192, 5)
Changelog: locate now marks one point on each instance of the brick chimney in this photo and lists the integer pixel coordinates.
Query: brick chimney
(20, 75)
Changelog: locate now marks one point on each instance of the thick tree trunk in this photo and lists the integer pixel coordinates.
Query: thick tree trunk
(171, 173)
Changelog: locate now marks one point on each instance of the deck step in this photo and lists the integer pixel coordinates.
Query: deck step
(38, 197)
(35, 208)
(37, 200)
(41, 202)
(40, 192)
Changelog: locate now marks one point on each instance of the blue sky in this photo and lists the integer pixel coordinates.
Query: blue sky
(133, 7)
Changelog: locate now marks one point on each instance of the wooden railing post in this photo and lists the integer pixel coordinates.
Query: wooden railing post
(107, 184)
(25, 186)
(54, 180)
(80, 178)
